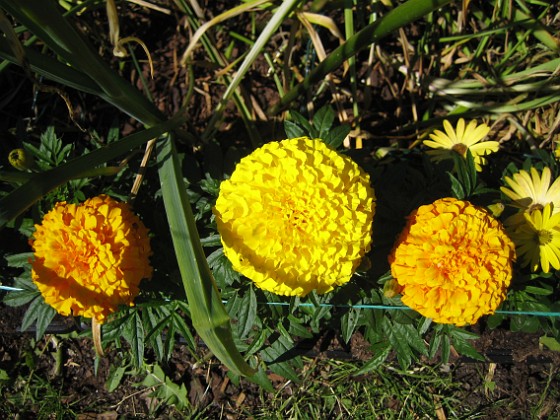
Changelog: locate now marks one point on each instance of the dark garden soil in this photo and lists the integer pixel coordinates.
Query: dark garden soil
(517, 366)
(508, 385)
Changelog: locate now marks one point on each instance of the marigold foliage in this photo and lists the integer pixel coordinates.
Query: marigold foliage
(296, 216)
(453, 262)
(459, 140)
(90, 258)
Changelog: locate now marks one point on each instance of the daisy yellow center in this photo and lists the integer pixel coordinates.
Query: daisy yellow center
(544, 237)
(460, 148)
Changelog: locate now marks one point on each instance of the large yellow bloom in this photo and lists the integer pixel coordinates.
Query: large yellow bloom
(90, 258)
(538, 239)
(296, 216)
(460, 140)
(453, 262)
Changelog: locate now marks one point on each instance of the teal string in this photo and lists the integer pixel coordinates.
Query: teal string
(364, 306)
(406, 308)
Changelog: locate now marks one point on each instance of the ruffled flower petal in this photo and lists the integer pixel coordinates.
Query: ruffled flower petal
(296, 216)
(453, 262)
(90, 258)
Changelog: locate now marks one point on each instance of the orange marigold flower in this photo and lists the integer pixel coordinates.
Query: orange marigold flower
(90, 258)
(453, 262)
(296, 216)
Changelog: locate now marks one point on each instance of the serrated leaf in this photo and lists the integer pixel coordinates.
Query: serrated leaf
(153, 324)
(286, 371)
(38, 313)
(224, 274)
(20, 297)
(212, 240)
(297, 329)
(457, 189)
(133, 332)
(399, 342)
(246, 316)
(348, 323)
(293, 130)
(304, 124)
(115, 377)
(323, 120)
(165, 389)
(465, 348)
(19, 260)
(534, 290)
(181, 325)
(435, 342)
(381, 352)
(336, 136)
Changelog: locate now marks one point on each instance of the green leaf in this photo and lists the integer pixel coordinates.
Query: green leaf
(457, 189)
(21, 297)
(323, 121)
(461, 344)
(541, 291)
(380, 351)
(246, 316)
(293, 130)
(550, 342)
(336, 136)
(348, 323)
(154, 323)
(40, 314)
(165, 389)
(224, 274)
(133, 332)
(297, 329)
(19, 260)
(207, 311)
(115, 377)
(24, 196)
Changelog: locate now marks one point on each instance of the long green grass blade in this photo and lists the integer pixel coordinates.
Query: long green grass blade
(208, 313)
(52, 69)
(40, 184)
(44, 19)
(392, 21)
(256, 50)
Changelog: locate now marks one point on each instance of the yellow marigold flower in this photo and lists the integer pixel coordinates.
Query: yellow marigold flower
(531, 191)
(538, 239)
(453, 262)
(460, 140)
(296, 216)
(90, 258)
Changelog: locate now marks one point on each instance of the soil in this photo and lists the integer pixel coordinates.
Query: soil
(517, 365)
(516, 372)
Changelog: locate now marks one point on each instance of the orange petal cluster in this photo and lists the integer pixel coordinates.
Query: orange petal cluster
(90, 258)
(296, 216)
(453, 262)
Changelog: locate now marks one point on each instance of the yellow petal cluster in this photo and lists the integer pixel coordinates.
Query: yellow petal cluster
(90, 258)
(453, 262)
(296, 216)
(535, 228)
(538, 239)
(459, 140)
